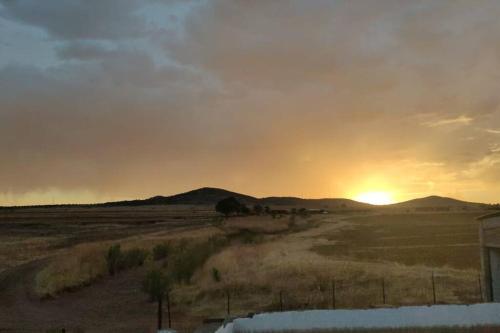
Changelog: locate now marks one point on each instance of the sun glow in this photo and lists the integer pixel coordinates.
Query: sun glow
(375, 198)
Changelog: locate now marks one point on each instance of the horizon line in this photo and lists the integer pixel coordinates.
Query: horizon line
(238, 193)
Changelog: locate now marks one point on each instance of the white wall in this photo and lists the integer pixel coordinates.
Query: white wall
(495, 273)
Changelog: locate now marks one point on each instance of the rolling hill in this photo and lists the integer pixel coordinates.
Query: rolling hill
(437, 201)
(210, 196)
(201, 196)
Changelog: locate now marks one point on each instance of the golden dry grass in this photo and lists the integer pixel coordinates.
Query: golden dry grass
(285, 261)
(258, 224)
(75, 268)
(256, 273)
(82, 264)
(16, 250)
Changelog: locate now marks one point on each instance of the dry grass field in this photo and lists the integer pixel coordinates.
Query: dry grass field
(31, 233)
(438, 239)
(297, 265)
(265, 264)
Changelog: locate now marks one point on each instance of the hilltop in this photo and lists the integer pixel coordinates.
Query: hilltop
(436, 201)
(211, 195)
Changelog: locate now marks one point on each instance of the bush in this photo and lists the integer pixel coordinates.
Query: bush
(161, 251)
(258, 209)
(186, 260)
(216, 274)
(113, 259)
(156, 284)
(250, 237)
(118, 260)
(185, 267)
(133, 258)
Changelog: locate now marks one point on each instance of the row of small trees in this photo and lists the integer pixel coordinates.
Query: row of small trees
(231, 206)
(178, 265)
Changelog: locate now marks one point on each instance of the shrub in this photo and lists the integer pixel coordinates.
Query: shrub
(161, 251)
(156, 284)
(133, 258)
(118, 260)
(186, 260)
(244, 210)
(250, 237)
(216, 274)
(258, 209)
(113, 258)
(185, 267)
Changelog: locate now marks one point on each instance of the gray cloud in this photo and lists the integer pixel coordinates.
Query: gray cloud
(78, 19)
(281, 97)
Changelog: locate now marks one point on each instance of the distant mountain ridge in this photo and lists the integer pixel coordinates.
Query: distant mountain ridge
(211, 195)
(436, 201)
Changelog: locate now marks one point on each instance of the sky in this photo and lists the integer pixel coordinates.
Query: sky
(122, 99)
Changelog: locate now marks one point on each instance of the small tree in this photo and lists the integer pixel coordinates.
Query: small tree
(228, 206)
(244, 210)
(157, 285)
(114, 258)
(216, 274)
(258, 209)
(132, 258)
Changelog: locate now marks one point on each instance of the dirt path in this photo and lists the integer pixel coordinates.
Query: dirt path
(110, 305)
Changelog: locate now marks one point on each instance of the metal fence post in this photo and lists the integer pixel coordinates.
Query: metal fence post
(480, 287)
(333, 294)
(160, 324)
(168, 309)
(383, 291)
(281, 300)
(228, 303)
(433, 288)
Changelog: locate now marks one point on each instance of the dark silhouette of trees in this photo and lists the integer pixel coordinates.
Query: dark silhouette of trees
(258, 209)
(231, 206)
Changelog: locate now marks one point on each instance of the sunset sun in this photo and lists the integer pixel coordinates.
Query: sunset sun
(375, 198)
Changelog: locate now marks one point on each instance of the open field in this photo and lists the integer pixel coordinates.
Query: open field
(438, 239)
(30, 233)
(265, 264)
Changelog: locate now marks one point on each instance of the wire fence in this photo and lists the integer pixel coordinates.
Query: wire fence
(343, 294)
(333, 294)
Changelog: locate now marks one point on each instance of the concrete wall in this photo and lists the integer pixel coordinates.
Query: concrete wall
(494, 255)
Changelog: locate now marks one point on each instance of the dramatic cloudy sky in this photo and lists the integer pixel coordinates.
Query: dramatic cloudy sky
(104, 100)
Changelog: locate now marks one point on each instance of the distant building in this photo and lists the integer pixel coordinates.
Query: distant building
(489, 234)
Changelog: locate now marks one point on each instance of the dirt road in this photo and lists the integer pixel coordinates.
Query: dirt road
(110, 305)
